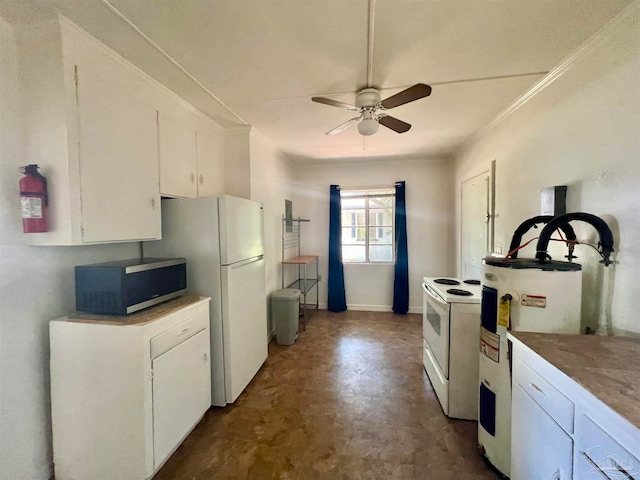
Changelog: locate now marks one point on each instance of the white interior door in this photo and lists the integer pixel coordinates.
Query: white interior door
(474, 228)
(181, 393)
(244, 315)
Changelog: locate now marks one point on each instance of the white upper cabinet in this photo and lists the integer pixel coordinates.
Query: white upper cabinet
(94, 135)
(210, 148)
(119, 161)
(109, 139)
(178, 160)
(191, 156)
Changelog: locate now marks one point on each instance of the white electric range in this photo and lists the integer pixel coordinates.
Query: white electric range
(451, 335)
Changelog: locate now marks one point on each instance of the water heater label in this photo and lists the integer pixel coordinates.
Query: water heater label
(490, 344)
(533, 301)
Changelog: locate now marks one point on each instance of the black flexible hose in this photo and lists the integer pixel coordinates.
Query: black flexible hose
(526, 226)
(606, 237)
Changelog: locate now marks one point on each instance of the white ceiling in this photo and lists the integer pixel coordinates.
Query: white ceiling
(265, 59)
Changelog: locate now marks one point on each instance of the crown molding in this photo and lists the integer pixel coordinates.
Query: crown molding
(610, 29)
(169, 58)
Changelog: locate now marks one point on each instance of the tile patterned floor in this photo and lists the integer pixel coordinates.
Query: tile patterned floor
(349, 400)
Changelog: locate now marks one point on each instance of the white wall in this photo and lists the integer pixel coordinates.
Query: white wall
(36, 285)
(583, 131)
(271, 179)
(430, 212)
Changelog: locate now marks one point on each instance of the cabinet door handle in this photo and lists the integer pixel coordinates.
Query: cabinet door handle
(184, 331)
(201, 179)
(537, 388)
(205, 357)
(153, 203)
(193, 177)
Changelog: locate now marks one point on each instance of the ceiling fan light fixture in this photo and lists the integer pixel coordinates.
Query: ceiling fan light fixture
(368, 103)
(368, 126)
(369, 123)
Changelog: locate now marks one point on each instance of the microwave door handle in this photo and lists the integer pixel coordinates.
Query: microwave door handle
(438, 300)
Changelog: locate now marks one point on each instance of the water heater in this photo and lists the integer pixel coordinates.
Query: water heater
(521, 295)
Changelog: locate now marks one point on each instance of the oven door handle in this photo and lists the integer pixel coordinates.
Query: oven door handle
(438, 300)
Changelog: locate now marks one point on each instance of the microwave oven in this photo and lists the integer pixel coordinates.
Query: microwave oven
(126, 286)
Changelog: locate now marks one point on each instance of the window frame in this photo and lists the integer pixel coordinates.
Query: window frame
(367, 195)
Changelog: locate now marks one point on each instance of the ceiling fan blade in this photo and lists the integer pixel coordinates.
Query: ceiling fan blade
(343, 126)
(419, 90)
(394, 124)
(334, 103)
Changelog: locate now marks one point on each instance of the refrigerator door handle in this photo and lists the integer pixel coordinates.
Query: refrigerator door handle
(247, 262)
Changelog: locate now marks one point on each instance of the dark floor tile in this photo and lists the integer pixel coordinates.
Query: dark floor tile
(349, 400)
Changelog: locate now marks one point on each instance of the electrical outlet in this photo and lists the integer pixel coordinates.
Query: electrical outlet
(497, 249)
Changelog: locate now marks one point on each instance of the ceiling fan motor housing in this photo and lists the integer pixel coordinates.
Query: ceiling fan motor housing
(369, 97)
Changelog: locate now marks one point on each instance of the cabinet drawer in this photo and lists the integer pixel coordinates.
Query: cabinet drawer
(547, 396)
(602, 453)
(175, 335)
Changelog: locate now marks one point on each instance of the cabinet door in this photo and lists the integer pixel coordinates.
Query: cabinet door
(181, 393)
(177, 158)
(118, 163)
(540, 448)
(600, 455)
(210, 149)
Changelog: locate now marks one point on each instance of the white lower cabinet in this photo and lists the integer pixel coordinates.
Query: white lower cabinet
(179, 378)
(125, 395)
(540, 448)
(601, 456)
(560, 430)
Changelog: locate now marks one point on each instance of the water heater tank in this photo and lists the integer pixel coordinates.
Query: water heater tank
(541, 297)
(545, 297)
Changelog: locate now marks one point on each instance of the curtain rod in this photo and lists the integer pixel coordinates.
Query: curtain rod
(372, 187)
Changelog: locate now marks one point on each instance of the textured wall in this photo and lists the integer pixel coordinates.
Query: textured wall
(430, 213)
(581, 131)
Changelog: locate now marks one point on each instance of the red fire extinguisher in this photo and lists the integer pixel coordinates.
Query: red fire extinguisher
(33, 199)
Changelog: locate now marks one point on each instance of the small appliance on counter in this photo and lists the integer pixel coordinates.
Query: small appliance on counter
(529, 295)
(126, 286)
(451, 331)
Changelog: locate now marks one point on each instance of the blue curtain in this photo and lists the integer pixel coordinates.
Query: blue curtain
(336, 301)
(401, 270)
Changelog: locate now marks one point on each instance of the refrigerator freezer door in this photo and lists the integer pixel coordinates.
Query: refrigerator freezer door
(241, 229)
(244, 312)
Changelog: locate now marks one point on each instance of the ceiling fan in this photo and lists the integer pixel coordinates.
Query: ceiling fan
(372, 109)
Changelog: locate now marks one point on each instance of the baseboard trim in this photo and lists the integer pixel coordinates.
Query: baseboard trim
(373, 308)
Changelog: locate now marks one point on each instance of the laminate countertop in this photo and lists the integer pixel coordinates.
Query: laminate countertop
(143, 316)
(608, 367)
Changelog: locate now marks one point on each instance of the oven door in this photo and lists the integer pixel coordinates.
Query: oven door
(435, 327)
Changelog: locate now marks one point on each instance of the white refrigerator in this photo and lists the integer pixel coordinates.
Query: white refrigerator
(222, 241)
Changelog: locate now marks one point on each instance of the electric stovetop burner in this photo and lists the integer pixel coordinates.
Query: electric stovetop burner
(446, 281)
(460, 292)
(472, 282)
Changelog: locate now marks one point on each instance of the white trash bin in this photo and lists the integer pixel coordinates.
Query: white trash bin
(285, 311)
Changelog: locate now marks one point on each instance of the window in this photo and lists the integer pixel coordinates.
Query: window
(367, 225)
